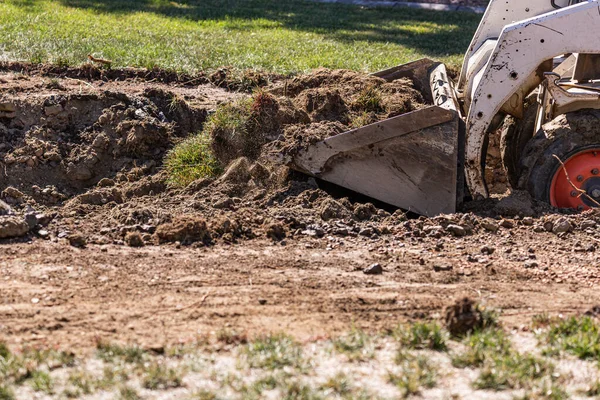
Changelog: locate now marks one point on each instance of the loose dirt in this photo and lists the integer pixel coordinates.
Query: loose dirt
(102, 245)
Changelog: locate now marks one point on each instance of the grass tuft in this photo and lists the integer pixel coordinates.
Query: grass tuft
(356, 345)
(512, 371)
(369, 100)
(158, 376)
(579, 336)
(482, 345)
(416, 372)
(110, 351)
(340, 385)
(42, 382)
(191, 159)
(422, 335)
(6, 393)
(274, 352)
(128, 393)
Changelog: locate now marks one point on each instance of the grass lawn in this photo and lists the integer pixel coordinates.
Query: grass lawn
(190, 35)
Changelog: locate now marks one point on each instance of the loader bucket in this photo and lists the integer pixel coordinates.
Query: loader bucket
(412, 161)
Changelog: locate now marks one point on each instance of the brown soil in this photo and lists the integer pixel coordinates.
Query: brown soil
(114, 251)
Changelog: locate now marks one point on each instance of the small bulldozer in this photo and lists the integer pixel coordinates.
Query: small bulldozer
(531, 74)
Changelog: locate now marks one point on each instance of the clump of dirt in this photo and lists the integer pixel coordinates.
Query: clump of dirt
(463, 317)
(184, 229)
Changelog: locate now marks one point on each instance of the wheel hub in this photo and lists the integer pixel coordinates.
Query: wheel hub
(579, 188)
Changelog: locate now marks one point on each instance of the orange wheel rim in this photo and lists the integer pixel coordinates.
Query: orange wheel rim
(581, 189)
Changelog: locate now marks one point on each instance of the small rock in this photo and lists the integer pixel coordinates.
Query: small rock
(31, 220)
(456, 230)
(561, 226)
(539, 229)
(106, 182)
(43, 234)
(11, 226)
(548, 226)
(487, 250)
(531, 264)
(374, 269)
(77, 240)
(438, 268)
(262, 302)
(489, 225)
(5, 209)
(12, 192)
(134, 239)
(527, 221)
(588, 224)
(508, 224)
(366, 232)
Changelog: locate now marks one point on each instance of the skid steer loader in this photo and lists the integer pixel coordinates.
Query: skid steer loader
(532, 68)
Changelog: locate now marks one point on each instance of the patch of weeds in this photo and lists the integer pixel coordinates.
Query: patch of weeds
(269, 382)
(545, 392)
(204, 394)
(512, 371)
(356, 345)
(158, 376)
(128, 393)
(294, 390)
(416, 372)
(579, 336)
(482, 345)
(110, 351)
(422, 335)
(191, 159)
(274, 352)
(369, 99)
(41, 381)
(339, 385)
(6, 393)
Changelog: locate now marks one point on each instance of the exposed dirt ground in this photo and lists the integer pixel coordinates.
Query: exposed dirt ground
(98, 244)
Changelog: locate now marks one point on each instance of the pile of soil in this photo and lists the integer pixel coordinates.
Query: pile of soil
(83, 159)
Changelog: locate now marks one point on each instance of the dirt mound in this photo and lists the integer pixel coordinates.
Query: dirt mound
(87, 158)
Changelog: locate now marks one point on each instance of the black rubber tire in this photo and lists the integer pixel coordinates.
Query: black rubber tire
(514, 136)
(564, 136)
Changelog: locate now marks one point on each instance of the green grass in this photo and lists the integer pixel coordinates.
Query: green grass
(502, 367)
(110, 352)
(159, 376)
(422, 335)
(6, 393)
(274, 352)
(191, 159)
(193, 35)
(416, 372)
(579, 336)
(356, 345)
